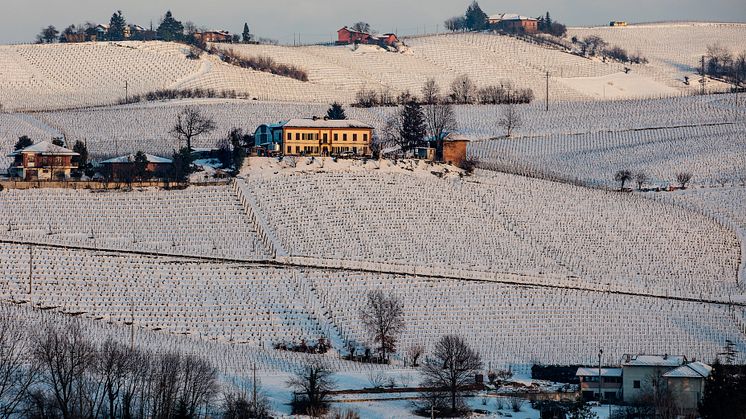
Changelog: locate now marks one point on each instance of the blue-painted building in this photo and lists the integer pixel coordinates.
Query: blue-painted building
(268, 137)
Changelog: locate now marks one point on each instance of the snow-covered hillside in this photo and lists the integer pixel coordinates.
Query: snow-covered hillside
(34, 77)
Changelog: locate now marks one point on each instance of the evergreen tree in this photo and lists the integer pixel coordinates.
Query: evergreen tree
(413, 127)
(23, 142)
(182, 164)
(81, 149)
(548, 22)
(476, 19)
(116, 26)
(246, 33)
(336, 112)
(141, 165)
(725, 394)
(170, 29)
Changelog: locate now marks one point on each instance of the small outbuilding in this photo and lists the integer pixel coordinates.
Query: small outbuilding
(128, 168)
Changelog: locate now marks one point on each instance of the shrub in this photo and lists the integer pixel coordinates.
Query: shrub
(263, 63)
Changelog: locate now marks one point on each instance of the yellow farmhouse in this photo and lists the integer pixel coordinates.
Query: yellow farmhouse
(326, 137)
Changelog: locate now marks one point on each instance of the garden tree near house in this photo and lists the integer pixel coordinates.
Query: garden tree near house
(116, 26)
(475, 18)
(725, 393)
(190, 123)
(82, 160)
(48, 34)
(463, 89)
(641, 179)
(311, 385)
(412, 127)
(59, 142)
(246, 35)
(382, 317)
(23, 142)
(190, 28)
(440, 120)
(510, 119)
(450, 369)
(140, 165)
(622, 176)
(182, 164)
(170, 29)
(238, 141)
(70, 30)
(336, 112)
(361, 27)
(683, 178)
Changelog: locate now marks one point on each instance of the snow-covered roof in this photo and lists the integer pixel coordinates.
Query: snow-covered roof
(691, 370)
(131, 158)
(593, 372)
(325, 123)
(45, 148)
(454, 136)
(653, 360)
(508, 16)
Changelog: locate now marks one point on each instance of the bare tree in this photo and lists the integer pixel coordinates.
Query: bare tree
(593, 44)
(361, 27)
(510, 119)
(683, 178)
(440, 120)
(17, 373)
(463, 89)
(312, 385)
(382, 317)
(64, 357)
(414, 353)
(641, 179)
(622, 176)
(430, 92)
(190, 123)
(451, 369)
(291, 161)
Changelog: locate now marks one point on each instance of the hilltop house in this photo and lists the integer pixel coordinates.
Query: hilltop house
(268, 138)
(326, 137)
(610, 383)
(213, 36)
(347, 36)
(454, 149)
(42, 161)
(511, 22)
(125, 167)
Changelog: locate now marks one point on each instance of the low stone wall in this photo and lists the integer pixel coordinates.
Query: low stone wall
(98, 185)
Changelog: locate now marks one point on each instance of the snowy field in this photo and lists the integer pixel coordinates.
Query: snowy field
(35, 77)
(250, 306)
(711, 153)
(205, 221)
(503, 224)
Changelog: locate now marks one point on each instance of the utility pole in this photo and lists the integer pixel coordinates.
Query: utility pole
(600, 352)
(547, 108)
(126, 92)
(702, 74)
(30, 266)
(253, 368)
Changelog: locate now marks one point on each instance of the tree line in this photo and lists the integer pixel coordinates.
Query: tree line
(169, 29)
(60, 372)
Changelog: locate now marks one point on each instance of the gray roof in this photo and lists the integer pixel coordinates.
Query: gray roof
(653, 360)
(44, 148)
(131, 159)
(691, 370)
(509, 16)
(325, 123)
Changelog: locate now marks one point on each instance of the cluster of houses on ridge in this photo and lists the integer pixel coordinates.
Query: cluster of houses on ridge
(134, 32)
(639, 375)
(318, 137)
